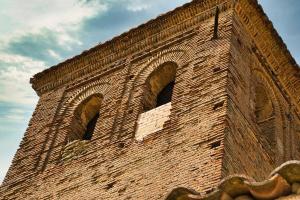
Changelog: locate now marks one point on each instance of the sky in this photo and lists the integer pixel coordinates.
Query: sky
(39, 34)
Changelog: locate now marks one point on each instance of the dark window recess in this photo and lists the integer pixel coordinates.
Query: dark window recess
(110, 185)
(121, 145)
(90, 128)
(218, 105)
(165, 95)
(215, 144)
(131, 77)
(216, 69)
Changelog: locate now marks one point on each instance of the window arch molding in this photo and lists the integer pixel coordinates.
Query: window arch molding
(85, 117)
(266, 101)
(178, 56)
(96, 90)
(266, 82)
(159, 85)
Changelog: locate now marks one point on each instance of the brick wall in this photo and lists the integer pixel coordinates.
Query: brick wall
(186, 150)
(210, 131)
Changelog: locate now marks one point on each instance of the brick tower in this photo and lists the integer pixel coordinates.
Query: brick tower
(200, 93)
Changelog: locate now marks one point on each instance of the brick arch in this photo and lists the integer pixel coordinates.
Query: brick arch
(173, 55)
(96, 88)
(266, 82)
(104, 90)
(179, 57)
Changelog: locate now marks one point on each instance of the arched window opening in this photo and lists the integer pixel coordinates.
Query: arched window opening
(265, 118)
(85, 119)
(159, 86)
(156, 100)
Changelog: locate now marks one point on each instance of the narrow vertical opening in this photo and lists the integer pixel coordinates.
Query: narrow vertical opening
(157, 96)
(216, 25)
(216, 69)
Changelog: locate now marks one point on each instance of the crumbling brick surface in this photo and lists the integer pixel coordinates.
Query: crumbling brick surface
(152, 121)
(211, 129)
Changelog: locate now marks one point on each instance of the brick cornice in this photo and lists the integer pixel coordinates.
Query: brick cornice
(283, 66)
(134, 42)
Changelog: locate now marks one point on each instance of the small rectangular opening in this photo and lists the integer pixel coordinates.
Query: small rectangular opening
(110, 185)
(218, 105)
(215, 144)
(216, 69)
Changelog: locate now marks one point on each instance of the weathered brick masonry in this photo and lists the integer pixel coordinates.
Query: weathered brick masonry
(234, 109)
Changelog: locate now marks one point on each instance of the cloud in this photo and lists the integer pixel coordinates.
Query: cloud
(58, 16)
(61, 29)
(120, 16)
(138, 5)
(3, 167)
(14, 115)
(54, 54)
(35, 46)
(15, 72)
(46, 31)
(35, 35)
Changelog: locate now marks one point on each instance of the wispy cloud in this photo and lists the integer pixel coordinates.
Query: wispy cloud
(33, 36)
(53, 54)
(15, 72)
(138, 5)
(58, 16)
(14, 115)
(38, 26)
